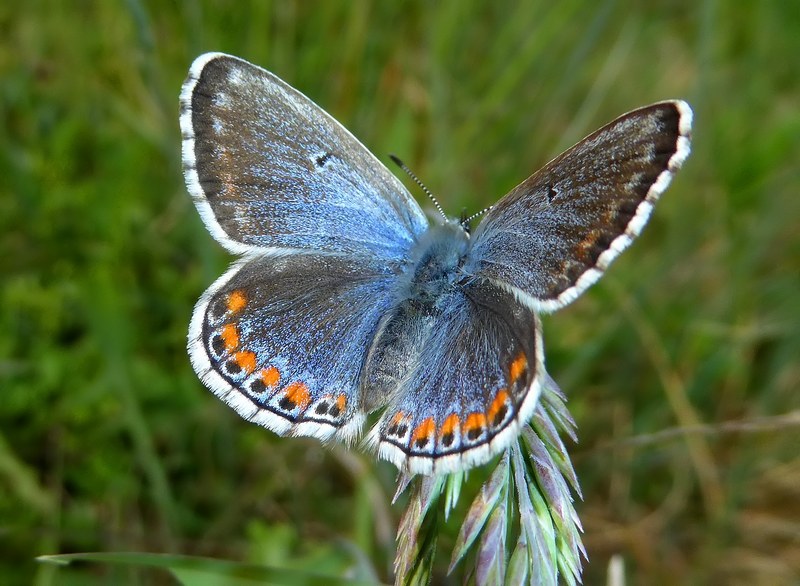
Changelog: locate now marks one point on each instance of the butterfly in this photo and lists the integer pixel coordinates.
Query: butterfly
(347, 299)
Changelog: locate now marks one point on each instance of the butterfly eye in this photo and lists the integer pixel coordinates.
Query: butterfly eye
(464, 221)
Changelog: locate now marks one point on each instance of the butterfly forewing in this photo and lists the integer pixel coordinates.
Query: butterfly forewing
(554, 234)
(268, 169)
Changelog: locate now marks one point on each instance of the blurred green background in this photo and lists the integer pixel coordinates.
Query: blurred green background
(681, 366)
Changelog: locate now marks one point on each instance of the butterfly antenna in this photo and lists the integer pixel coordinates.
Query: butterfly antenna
(427, 191)
(466, 221)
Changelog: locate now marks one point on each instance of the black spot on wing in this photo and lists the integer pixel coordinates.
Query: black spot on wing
(322, 159)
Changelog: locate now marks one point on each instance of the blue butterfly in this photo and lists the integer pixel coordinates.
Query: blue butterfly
(347, 299)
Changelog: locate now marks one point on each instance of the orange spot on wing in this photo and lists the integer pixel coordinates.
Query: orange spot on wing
(246, 360)
(230, 336)
(270, 377)
(518, 366)
(499, 403)
(399, 417)
(341, 402)
(236, 301)
(474, 425)
(423, 431)
(450, 425)
(398, 426)
(585, 246)
(298, 394)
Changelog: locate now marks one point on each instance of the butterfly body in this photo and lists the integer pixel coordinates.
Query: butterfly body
(348, 300)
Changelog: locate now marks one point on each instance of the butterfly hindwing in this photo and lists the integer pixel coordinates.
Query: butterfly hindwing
(556, 233)
(476, 380)
(282, 339)
(268, 169)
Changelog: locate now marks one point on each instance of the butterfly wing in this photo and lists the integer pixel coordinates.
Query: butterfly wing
(268, 169)
(556, 233)
(475, 380)
(282, 339)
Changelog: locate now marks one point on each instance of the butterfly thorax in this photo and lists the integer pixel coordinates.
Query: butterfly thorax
(436, 260)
